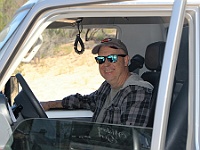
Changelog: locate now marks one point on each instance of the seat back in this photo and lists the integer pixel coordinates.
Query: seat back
(177, 129)
(153, 62)
(177, 124)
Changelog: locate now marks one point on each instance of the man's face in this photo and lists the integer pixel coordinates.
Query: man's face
(113, 73)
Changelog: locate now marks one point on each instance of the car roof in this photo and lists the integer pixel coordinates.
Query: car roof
(124, 2)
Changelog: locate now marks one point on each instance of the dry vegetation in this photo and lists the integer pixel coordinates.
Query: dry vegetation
(62, 74)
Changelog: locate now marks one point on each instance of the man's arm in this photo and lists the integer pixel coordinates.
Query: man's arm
(51, 104)
(76, 101)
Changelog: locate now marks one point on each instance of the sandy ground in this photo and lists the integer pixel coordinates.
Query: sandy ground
(56, 77)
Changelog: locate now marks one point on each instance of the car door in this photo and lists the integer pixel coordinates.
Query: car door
(167, 75)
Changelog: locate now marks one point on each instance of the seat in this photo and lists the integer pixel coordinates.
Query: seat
(153, 62)
(177, 129)
(177, 125)
(136, 63)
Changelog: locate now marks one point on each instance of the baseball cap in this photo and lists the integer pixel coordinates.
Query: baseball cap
(111, 42)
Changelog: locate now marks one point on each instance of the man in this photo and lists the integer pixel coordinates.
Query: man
(123, 98)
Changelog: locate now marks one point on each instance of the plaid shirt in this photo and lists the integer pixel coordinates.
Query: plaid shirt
(130, 105)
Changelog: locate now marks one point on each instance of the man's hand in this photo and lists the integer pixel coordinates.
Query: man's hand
(45, 105)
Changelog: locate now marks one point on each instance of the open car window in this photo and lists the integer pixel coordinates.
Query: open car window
(54, 70)
(52, 65)
(49, 134)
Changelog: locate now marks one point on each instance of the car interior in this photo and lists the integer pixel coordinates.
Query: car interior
(146, 61)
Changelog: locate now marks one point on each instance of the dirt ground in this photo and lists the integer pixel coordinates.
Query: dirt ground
(56, 77)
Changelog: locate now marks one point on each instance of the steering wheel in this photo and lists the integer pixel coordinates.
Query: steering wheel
(26, 99)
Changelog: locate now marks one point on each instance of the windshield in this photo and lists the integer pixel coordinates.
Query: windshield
(72, 135)
(10, 28)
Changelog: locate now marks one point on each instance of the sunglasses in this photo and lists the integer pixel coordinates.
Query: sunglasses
(111, 58)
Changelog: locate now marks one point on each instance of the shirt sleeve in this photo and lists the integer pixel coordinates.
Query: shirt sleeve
(79, 101)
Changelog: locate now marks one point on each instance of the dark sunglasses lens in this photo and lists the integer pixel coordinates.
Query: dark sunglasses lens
(100, 59)
(112, 58)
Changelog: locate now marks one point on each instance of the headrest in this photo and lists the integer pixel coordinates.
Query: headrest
(154, 55)
(137, 62)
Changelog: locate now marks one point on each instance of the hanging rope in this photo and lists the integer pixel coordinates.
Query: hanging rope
(79, 40)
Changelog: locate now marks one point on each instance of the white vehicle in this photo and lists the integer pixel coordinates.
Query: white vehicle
(37, 47)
